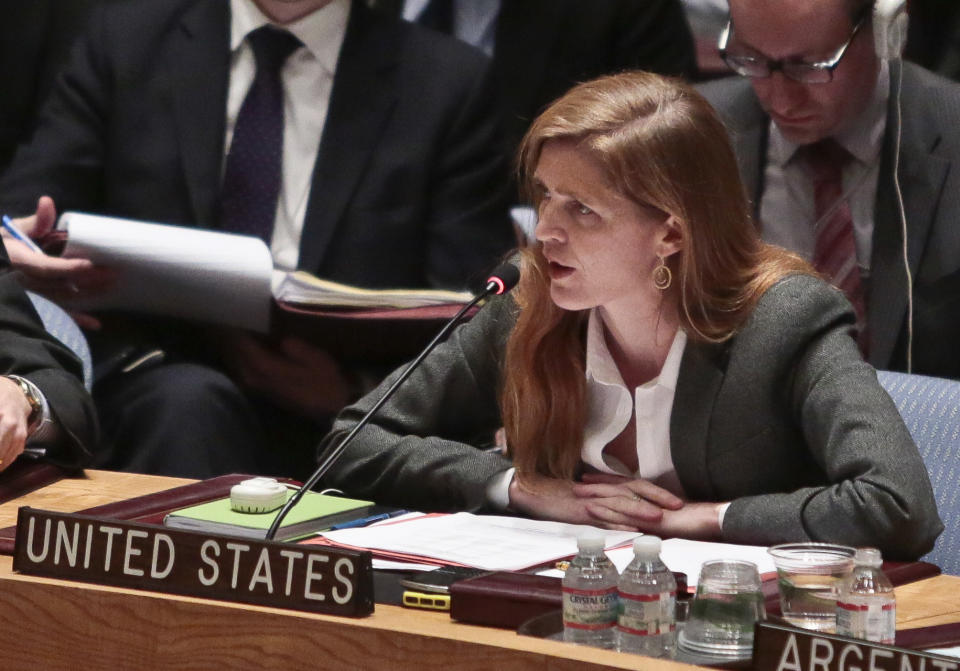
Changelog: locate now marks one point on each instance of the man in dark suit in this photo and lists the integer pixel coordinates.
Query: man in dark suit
(393, 180)
(541, 48)
(35, 40)
(42, 399)
(778, 114)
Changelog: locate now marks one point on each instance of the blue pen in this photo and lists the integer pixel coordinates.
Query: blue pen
(17, 234)
(364, 521)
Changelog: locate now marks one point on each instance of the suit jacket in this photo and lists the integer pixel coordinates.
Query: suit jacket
(931, 192)
(27, 350)
(408, 188)
(766, 420)
(35, 40)
(543, 47)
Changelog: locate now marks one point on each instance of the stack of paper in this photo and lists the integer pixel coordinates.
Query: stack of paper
(302, 288)
(514, 544)
(483, 541)
(686, 556)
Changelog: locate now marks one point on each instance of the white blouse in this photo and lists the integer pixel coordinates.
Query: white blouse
(611, 405)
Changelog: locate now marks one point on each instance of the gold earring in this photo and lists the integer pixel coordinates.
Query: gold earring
(662, 277)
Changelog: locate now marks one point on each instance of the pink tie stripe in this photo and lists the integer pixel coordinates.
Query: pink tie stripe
(835, 248)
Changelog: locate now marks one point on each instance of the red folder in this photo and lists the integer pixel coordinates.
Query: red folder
(24, 475)
(367, 336)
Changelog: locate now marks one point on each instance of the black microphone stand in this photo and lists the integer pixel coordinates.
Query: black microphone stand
(495, 285)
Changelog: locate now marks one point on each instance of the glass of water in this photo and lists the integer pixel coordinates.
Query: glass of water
(724, 611)
(808, 577)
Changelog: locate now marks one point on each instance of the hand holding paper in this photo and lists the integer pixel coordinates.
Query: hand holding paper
(59, 279)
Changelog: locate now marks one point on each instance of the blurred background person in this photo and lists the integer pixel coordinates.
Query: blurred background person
(540, 48)
(301, 121)
(830, 134)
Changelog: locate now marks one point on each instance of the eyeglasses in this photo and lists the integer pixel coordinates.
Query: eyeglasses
(757, 67)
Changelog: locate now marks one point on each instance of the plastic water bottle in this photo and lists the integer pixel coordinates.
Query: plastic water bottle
(866, 606)
(590, 596)
(648, 601)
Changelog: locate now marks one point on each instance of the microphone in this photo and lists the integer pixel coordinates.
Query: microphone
(503, 278)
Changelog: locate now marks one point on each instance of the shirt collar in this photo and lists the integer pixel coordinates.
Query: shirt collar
(863, 138)
(321, 32)
(603, 370)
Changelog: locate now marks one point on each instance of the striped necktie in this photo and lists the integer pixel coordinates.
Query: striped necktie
(835, 249)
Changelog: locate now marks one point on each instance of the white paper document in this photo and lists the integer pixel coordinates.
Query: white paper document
(488, 542)
(211, 276)
(685, 556)
(174, 271)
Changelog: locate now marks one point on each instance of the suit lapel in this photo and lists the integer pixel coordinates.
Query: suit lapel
(364, 93)
(750, 126)
(701, 374)
(198, 70)
(922, 176)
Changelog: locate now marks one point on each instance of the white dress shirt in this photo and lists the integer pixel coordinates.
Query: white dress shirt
(787, 210)
(307, 82)
(474, 21)
(611, 405)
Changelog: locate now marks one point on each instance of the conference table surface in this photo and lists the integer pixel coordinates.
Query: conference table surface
(54, 624)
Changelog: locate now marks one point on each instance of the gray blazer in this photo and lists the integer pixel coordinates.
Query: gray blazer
(785, 420)
(931, 192)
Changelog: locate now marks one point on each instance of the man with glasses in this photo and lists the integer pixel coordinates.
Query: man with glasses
(829, 137)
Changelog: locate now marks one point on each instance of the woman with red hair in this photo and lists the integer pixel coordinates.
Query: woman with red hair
(658, 367)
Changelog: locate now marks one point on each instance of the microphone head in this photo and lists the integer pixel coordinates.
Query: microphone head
(503, 278)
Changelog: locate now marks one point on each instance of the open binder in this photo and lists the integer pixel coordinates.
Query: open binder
(224, 279)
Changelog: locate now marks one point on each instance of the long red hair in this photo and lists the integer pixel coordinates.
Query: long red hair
(661, 145)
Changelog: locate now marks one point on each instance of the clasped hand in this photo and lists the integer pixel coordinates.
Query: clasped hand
(615, 502)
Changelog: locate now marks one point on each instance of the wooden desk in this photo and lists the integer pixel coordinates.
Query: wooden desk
(51, 624)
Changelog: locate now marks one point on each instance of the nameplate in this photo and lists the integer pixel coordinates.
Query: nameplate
(783, 648)
(128, 554)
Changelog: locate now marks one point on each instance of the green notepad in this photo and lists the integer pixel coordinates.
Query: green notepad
(314, 513)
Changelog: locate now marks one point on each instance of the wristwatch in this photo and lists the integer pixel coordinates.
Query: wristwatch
(33, 397)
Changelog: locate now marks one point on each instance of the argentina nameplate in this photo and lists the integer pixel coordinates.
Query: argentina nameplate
(128, 554)
(785, 648)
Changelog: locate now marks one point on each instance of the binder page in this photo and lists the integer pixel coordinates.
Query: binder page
(174, 271)
(302, 288)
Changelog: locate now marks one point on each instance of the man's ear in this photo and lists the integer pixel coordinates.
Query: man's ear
(672, 237)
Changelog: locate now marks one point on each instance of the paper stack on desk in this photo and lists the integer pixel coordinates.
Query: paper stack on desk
(488, 542)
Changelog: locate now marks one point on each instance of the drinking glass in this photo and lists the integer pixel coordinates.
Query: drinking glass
(808, 577)
(724, 610)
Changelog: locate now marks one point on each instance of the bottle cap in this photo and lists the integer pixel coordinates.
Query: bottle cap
(646, 546)
(868, 557)
(590, 542)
